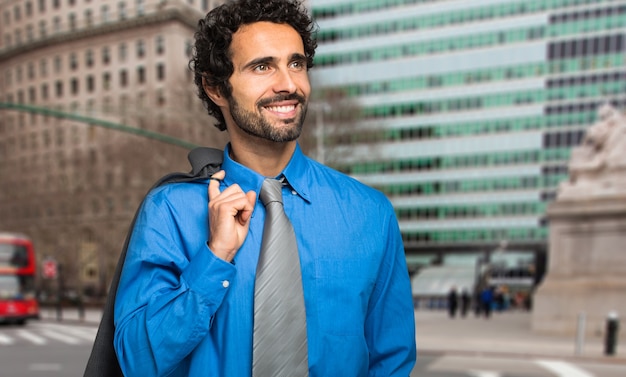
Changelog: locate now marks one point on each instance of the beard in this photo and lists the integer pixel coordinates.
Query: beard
(256, 125)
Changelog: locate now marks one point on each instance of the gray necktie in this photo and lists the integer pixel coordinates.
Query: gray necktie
(280, 343)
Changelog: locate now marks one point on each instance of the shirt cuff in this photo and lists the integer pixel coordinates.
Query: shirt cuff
(209, 275)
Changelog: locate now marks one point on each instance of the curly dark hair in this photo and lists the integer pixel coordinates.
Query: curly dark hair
(212, 59)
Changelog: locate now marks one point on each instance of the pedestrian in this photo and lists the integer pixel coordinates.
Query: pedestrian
(465, 302)
(452, 302)
(486, 298)
(188, 303)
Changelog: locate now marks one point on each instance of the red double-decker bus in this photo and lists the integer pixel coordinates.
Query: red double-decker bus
(18, 301)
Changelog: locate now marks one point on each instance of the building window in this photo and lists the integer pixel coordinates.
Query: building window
(106, 55)
(160, 71)
(141, 75)
(121, 10)
(42, 6)
(72, 21)
(123, 78)
(106, 81)
(161, 98)
(56, 4)
(58, 64)
(88, 18)
(43, 67)
(30, 34)
(141, 49)
(160, 45)
(32, 98)
(73, 61)
(104, 13)
(75, 86)
(42, 29)
(123, 52)
(56, 24)
(17, 13)
(59, 89)
(44, 91)
(89, 58)
(140, 8)
(91, 84)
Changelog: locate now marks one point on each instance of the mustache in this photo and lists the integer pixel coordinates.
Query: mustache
(281, 97)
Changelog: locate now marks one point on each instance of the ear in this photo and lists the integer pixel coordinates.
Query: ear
(214, 93)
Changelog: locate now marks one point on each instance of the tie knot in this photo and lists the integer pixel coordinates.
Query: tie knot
(271, 191)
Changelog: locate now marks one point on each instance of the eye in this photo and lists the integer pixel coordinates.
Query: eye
(297, 64)
(261, 67)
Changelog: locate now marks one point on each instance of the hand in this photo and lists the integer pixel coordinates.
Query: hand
(229, 217)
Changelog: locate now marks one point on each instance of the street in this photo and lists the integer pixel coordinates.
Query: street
(49, 348)
(45, 349)
(488, 366)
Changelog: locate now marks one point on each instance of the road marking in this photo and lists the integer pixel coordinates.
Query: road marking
(58, 336)
(83, 333)
(5, 339)
(32, 337)
(563, 369)
(483, 373)
(44, 367)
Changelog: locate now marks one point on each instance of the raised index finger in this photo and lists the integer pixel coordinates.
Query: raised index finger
(214, 184)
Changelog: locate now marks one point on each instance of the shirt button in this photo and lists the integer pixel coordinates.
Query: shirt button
(293, 192)
(225, 283)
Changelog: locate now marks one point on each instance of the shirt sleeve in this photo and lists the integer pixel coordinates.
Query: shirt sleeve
(168, 293)
(390, 324)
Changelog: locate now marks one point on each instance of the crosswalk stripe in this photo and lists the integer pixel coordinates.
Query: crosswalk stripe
(83, 333)
(36, 339)
(61, 337)
(563, 369)
(5, 339)
(483, 373)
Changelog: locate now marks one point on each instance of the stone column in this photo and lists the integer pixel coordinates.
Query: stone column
(586, 266)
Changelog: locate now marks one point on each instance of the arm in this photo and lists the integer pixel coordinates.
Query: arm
(167, 295)
(390, 324)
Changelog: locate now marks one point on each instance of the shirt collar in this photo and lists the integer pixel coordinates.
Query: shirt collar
(295, 173)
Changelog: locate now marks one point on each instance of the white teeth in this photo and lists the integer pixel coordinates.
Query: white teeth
(281, 109)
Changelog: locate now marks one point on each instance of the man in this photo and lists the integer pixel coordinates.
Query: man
(185, 303)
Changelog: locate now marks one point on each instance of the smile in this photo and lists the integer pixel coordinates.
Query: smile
(281, 109)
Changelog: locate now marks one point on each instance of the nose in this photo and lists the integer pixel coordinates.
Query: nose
(285, 82)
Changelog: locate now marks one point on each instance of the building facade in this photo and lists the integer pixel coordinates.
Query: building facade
(73, 185)
(475, 106)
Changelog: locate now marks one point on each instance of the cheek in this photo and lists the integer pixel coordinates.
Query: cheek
(305, 86)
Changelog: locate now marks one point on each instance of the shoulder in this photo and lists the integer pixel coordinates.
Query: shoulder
(178, 193)
(345, 186)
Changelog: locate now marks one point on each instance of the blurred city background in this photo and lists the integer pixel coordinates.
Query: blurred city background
(464, 113)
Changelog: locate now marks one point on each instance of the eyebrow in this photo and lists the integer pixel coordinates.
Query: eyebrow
(270, 59)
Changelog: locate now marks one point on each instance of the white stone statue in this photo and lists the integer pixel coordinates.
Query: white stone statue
(598, 166)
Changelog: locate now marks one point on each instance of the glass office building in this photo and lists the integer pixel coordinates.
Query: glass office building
(474, 106)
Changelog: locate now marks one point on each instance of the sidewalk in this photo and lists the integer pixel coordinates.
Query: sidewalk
(90, 315)
(504, 334)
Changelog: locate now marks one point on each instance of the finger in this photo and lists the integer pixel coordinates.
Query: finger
(246, 212)
(214, 184)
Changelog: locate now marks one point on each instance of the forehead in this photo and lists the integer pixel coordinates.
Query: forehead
(265, 39)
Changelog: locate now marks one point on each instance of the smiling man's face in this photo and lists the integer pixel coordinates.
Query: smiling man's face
(270, 83)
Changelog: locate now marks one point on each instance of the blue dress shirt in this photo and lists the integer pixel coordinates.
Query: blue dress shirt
(181, 311)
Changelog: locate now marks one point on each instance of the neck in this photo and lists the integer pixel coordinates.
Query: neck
(264, 157)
